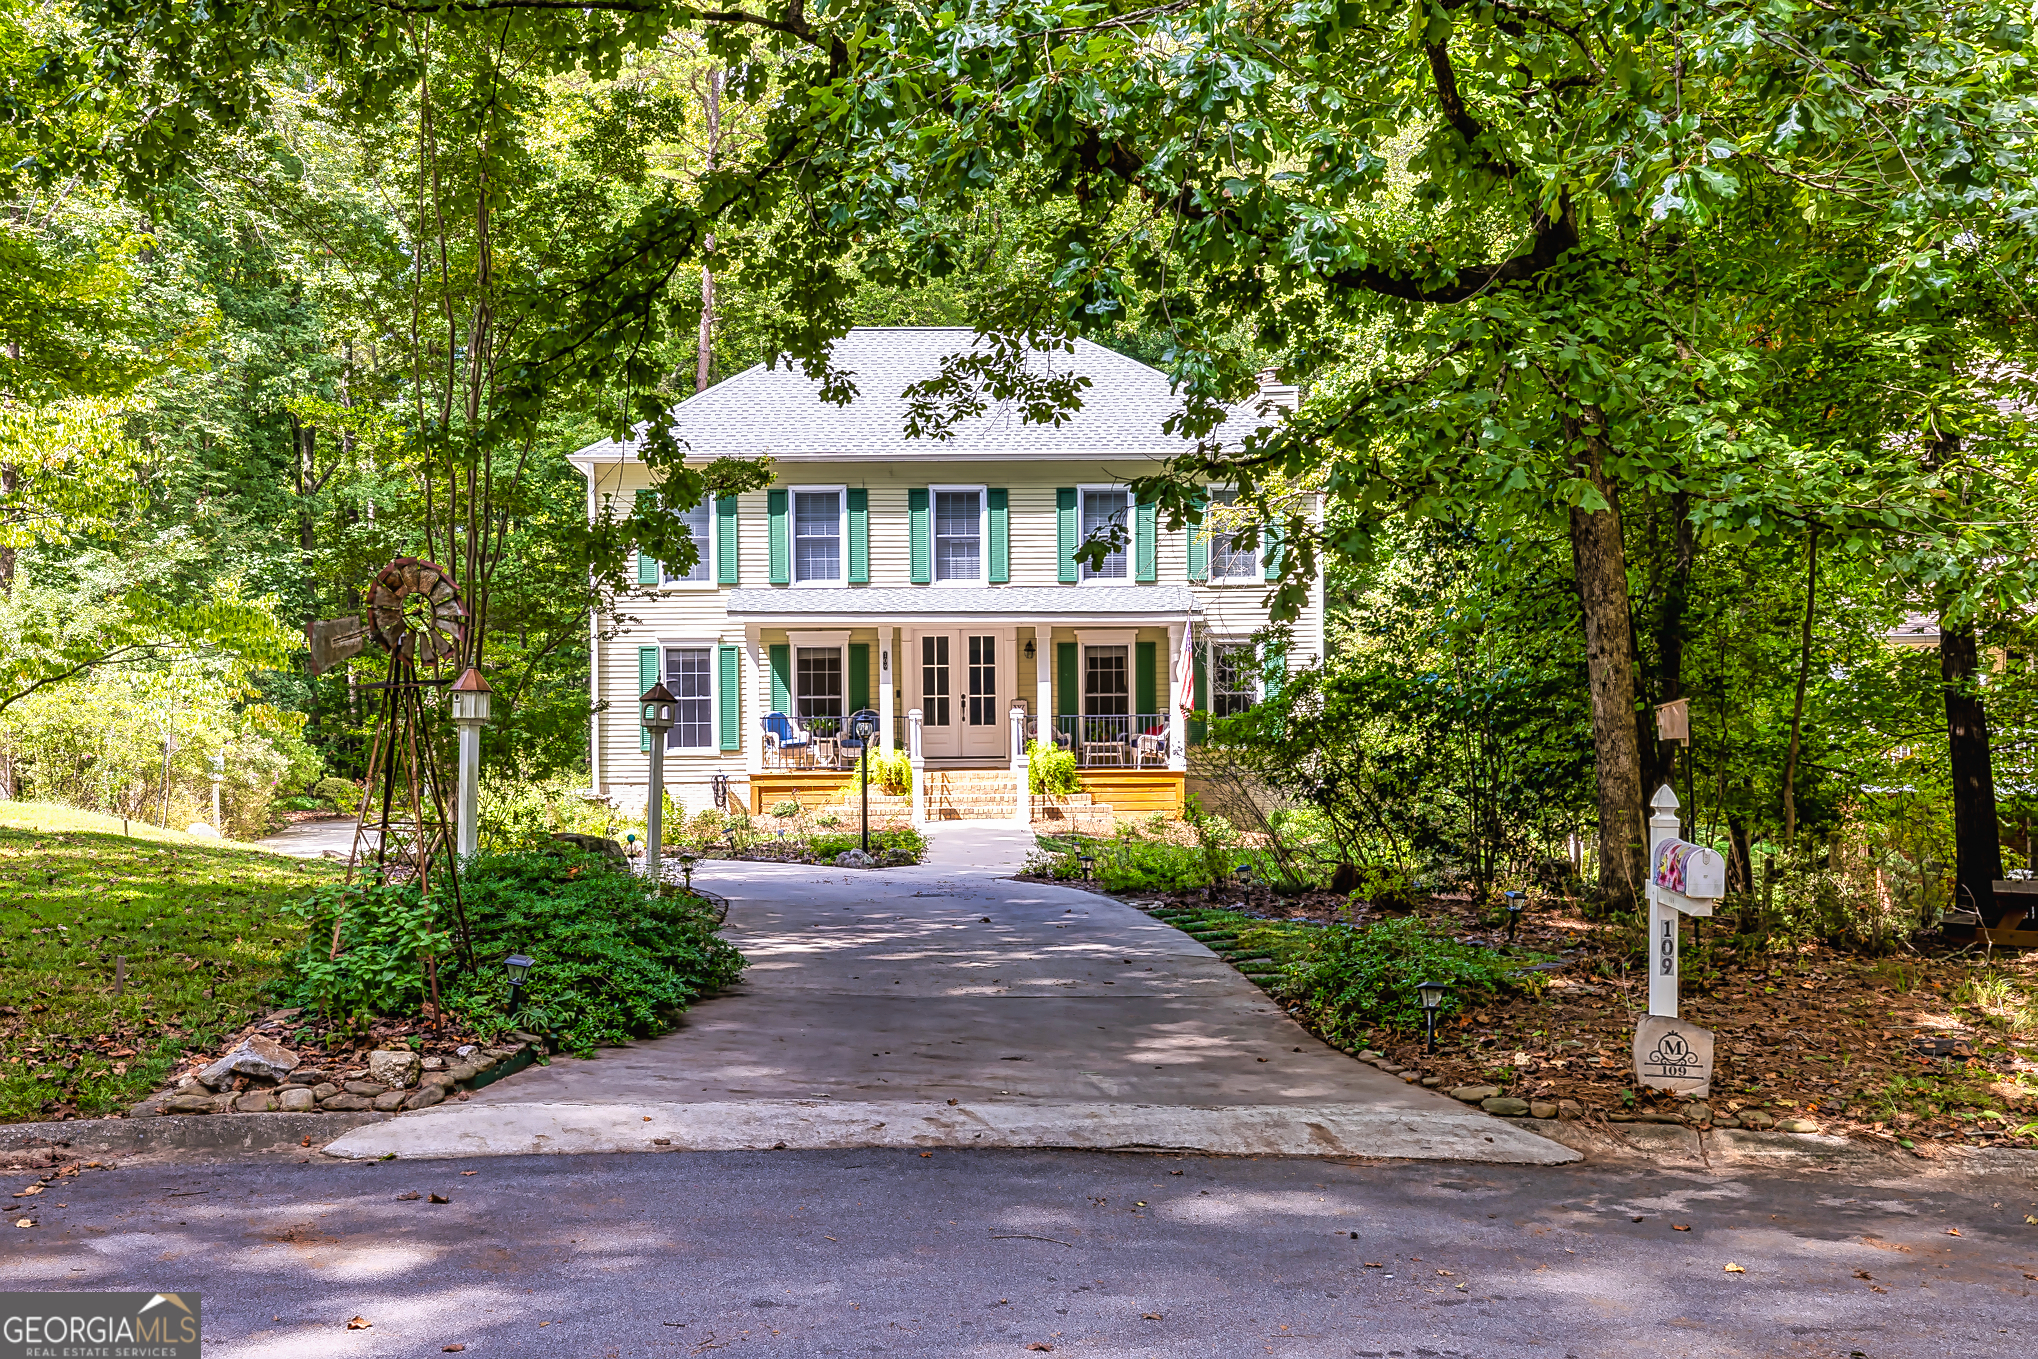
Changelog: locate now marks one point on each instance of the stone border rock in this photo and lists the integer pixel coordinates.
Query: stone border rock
(394, 1081)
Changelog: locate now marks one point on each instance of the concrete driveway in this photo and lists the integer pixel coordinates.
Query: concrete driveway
(946, 1005)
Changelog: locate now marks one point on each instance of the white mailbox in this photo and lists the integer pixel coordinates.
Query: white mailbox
(1684, 879)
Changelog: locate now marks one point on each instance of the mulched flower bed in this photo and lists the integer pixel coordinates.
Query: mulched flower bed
(1856, 1045)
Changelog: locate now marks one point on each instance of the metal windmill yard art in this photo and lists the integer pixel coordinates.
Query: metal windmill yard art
(415, 615)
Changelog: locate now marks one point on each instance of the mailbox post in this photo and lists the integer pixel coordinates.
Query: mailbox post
(1684, 879)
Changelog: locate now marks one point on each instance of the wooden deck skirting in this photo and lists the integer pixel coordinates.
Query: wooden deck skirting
(1127, 792)
(1137, 792)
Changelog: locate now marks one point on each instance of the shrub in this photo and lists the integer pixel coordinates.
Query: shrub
(342, 795)
(1052, 770)
(1128, 861)
(889, 846)
(614, 959)
(892, 772)
(1355, 979)
(788, 808)
(515, 813)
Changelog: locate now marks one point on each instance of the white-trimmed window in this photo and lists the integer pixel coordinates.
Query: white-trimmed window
(697, 525)
(1107, 681)
(820, 532)
(1234, 687)
(690, 677)
(1229, 559)
(818, 682)
(1105, 508)
(958, 529)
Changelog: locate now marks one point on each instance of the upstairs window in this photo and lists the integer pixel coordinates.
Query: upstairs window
(1230, 559)
(958, 535)
(696, 520)
(1104, 510)
(817, 535)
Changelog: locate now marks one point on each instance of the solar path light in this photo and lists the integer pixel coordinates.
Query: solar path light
(1432, 996)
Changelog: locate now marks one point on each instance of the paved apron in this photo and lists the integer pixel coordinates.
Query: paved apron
(945, 1005)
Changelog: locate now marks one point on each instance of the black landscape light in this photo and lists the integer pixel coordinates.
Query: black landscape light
(1089, 866)
(1432, 995)
(518, 967)
(1515, 902)
(686, 863)
(863, 728)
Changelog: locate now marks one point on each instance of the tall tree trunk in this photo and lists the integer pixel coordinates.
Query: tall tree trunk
(302, 452)
(1600, 560)
(1661, 761)
(10, 481)
(1977, 843)
(1804, 674)
(704, 355)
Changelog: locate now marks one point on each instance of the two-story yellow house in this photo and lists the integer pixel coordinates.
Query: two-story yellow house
(935, 584)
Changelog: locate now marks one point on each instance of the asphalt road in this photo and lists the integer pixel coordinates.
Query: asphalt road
(992, 1253)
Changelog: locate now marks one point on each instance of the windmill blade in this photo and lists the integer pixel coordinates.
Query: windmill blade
(333, 641)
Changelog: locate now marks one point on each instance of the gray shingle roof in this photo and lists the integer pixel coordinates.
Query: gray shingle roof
(1019, 603)
(779, 412)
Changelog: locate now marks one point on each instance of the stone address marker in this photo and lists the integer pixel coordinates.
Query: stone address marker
(1674, 1055)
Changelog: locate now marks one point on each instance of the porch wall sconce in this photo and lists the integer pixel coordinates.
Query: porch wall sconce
(1029, 648)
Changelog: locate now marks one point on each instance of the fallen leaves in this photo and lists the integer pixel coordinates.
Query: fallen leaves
(1733, 1268)
(24, 1222)
(451, 1349)
(470, 1172)
(408, 1195)
(1953, 1231)
(440, 1198)
(1446, 1273)
(32, 1189)
(1149, 1316)
(359, 1324)
(1375, 1264)
(1680, 1226)
(1863, 1274)
(1040, 1345)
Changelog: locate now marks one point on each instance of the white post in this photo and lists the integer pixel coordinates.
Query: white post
(1178, 727)
(885, 640)
(466, 838)
(1043, 682)
(752, 713)
(1022, 791)
(1664, 926)
(654, 811)
(919, 764)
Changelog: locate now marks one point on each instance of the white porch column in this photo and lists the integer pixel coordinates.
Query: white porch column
(1022, 791)
(887, 643)
(1178, 727)
(919, 764)
(752, 713)
(1043, 681)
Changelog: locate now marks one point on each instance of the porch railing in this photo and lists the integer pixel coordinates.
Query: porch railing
(1114, 741)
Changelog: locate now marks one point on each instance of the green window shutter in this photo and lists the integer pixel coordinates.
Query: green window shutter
(728, 700)
(859, 536)
(1143, 677)
(1145, 551)
(1065, 533)
(859, 676)
(647, 566)
(1202, 702)
(647, 675)
(917, 525)
(999, 504)
(781, 543)
(727, 562)
(781, 678)
(1270, 543)
(1069, 698)
(1199, 544)
(1275, 672)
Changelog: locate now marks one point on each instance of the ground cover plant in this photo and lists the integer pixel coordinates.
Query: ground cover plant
(613, 957)
(201, 925)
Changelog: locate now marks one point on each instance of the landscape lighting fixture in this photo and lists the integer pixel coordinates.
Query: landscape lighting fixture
(1089, 865)
(1432, 995)
(518, 967)
(1515, 902)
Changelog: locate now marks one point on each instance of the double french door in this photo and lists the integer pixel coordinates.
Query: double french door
(961, 680)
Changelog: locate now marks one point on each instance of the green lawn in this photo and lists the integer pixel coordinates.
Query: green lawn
(197, 920)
